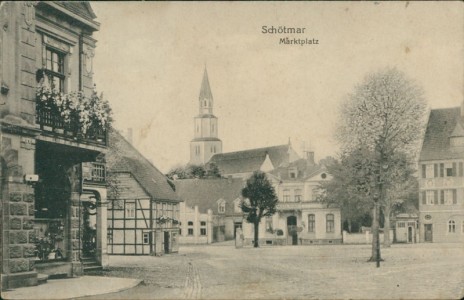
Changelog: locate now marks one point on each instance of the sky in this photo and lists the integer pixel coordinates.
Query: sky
(150, 59)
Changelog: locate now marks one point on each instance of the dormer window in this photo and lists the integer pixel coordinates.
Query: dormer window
(221, 206)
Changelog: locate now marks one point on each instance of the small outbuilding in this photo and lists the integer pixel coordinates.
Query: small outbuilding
(406, 228)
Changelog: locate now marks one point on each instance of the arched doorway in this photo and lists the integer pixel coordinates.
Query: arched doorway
(292, 231)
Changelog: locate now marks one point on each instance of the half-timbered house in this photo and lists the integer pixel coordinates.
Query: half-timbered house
(143, 208)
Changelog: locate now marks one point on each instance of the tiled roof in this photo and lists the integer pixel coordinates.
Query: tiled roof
(123, 157)
(250, 160)
(206, 192)
(303, 169)
(80, 8)
(441, 124)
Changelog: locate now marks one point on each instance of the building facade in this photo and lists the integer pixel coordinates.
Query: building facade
(300, 218)
(441, 183)
(143, 208)
(206, 142)
(211, 211)
(47, 50)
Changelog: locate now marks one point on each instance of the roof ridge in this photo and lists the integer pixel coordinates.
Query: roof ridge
(249, 150)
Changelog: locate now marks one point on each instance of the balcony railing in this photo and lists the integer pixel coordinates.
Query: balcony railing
(51, 121)
(94, 172)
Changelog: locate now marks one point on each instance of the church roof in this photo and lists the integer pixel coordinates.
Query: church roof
(205, 193)
(123, 157)
(250, 160)
(441, 125)
(205, 91)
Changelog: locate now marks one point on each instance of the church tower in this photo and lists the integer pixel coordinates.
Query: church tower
(206, 142)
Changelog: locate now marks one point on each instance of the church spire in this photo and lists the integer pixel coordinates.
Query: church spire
(205, 91)
(206, 142)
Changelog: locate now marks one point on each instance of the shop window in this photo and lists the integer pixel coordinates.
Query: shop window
(311, 223)
(330, 226)
(451, 226)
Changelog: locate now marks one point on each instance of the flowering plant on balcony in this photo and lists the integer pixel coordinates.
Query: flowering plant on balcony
(76, 107)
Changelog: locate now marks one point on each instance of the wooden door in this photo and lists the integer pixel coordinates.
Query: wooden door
(428, 232)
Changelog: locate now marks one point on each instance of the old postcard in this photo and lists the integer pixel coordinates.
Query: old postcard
(232, 150)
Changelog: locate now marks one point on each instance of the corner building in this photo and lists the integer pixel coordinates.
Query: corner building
(52, 172)
(441, 184)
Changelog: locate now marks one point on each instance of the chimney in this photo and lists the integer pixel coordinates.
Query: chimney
(129, 135)
(309, 156)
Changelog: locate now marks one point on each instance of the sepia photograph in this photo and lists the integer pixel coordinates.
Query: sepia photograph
(232, 149)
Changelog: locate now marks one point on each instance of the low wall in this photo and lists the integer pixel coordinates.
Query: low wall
(363, 238)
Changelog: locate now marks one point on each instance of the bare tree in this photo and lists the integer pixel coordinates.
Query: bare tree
(384, 115)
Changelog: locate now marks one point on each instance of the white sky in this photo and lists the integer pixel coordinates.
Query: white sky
(150, 58)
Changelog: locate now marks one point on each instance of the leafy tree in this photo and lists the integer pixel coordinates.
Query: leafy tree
(346, 189)
(194, 171)
(260, 201)
(384, 116)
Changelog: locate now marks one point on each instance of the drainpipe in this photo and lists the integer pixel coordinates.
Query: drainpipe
(81, 51)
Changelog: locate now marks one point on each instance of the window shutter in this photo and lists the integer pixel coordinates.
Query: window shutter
(424, 170)
(442, 170)
(435, 197)
(461, 167)
(442, 197)
(424, 199)
(435, 170)
(455, 200)
(454, 170)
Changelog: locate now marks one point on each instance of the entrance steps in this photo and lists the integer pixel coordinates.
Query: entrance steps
(42, 278)
(90, 264)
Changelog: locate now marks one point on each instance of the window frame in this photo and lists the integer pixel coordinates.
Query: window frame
(312, 223)
(49, 70)
(330, 223)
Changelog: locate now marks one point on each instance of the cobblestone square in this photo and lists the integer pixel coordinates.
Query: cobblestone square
(417, 271)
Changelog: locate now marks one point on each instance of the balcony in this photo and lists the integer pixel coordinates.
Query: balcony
(73, 117)
(93, 173)
(289, 206)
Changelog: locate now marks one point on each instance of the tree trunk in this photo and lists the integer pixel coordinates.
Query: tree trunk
(375, 235)
(256, 241)
(386, 226)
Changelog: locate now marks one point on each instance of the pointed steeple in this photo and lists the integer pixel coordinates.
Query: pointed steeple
(205, 91)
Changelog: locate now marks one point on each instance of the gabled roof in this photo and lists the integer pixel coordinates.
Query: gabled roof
(441, 124)
(80, 8)
(205, 193)
(303, 169)
(250, 160)
(205, 91)
(123, 157)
